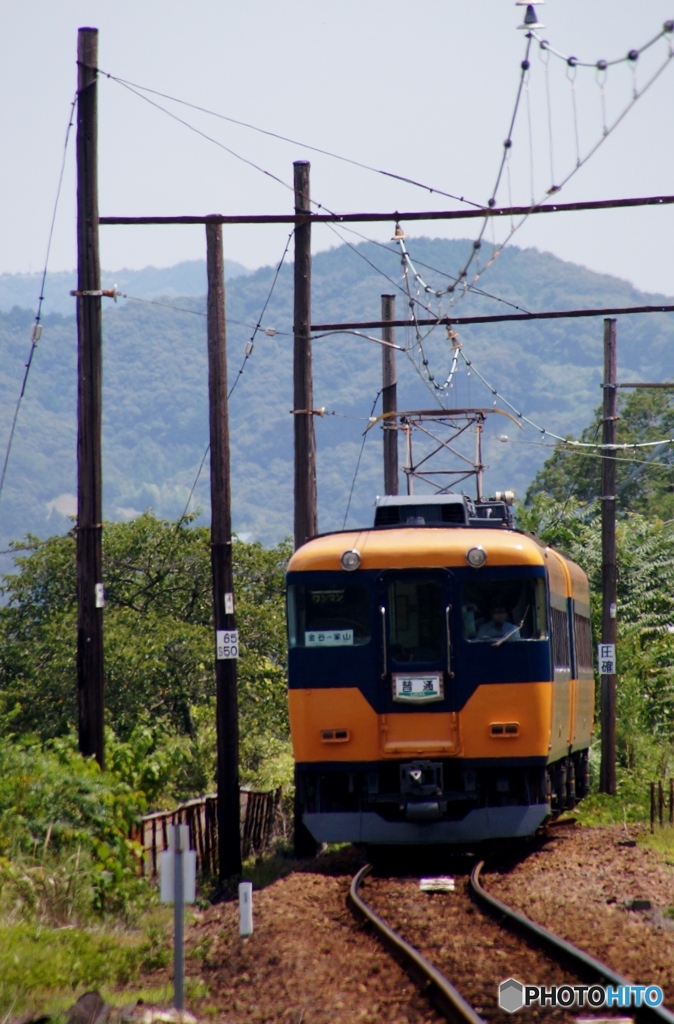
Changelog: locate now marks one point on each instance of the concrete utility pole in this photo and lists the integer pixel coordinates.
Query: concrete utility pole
(90, 669)
(607, 779)
(226, 637)
(389, 396)
(306, 516)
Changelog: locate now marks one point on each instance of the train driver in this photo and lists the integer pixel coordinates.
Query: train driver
(498, 630)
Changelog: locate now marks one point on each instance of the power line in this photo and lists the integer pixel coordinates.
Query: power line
(294, 142)
(564, 440)
(360, 455)
(602, 65)
(36, 332)
(204, 135)
(249, 347)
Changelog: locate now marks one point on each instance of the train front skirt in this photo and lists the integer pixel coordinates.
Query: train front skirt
(480, 824)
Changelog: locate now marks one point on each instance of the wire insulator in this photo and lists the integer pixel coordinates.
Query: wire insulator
(633, 55)
(525, 65)
(572, 61)
(508, 143)
(601, 65)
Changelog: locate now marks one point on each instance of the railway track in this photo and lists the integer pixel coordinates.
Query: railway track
(445, 996)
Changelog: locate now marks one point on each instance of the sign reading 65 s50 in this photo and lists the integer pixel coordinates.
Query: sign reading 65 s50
(226, 644)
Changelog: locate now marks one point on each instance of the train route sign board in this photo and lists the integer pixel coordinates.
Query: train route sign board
(418, 687)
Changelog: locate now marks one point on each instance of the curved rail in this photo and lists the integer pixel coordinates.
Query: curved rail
(582, 963)
(433, 984)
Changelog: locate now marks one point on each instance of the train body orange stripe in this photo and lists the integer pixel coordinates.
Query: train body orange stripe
(468, 733)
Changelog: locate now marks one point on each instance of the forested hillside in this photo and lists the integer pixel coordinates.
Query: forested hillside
(155, 412)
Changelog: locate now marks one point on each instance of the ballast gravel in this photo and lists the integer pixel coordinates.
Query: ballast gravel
(309, 961)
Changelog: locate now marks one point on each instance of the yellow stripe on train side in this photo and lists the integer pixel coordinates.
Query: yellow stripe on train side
(500, 720)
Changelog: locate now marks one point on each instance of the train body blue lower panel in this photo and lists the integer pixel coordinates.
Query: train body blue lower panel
(478, 825)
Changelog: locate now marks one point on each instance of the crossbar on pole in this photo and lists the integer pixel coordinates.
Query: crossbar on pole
(396, 215)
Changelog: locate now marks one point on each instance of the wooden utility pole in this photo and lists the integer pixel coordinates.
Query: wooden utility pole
(226, 636)
(389, 397)
(306, 516)
(607, 780)
(90, 670)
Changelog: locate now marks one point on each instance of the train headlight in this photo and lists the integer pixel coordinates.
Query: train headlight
(476, 557)
(350, 560)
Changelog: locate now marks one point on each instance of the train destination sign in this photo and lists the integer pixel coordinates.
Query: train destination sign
(418, 687)
(328, 638)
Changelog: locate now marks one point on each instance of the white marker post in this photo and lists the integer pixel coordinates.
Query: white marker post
(178, 868)
(245, 908)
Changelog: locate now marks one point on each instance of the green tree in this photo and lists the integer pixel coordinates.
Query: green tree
(645, 561)
(158, 633)
(643, 475)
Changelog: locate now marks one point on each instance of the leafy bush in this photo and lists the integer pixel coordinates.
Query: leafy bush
(645, 653)
(64, 827)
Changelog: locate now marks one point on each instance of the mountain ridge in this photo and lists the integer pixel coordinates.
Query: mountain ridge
(155, 420)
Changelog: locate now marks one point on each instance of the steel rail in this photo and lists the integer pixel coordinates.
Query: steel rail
(582, 963)
(433, 984)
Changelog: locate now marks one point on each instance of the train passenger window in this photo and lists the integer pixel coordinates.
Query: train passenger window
(328, 616)
(502, 611)
(583, 641)
(416, 621)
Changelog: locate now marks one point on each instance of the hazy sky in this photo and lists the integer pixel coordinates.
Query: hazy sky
(423, 89)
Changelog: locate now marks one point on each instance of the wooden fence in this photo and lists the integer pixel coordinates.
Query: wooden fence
(259, 812)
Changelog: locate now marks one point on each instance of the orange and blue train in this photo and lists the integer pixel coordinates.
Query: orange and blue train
(441, 686)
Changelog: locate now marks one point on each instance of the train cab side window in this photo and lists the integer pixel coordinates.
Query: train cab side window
(504, 611)
(583, 641)
(561, 646)
(328, 616)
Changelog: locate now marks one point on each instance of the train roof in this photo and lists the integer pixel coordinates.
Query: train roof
(417, 547)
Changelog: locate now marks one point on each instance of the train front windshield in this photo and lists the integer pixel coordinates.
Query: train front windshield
(503, 611)
(328, 616)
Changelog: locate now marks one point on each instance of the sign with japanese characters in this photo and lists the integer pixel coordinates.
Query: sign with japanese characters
(328, 638)
(606, 659)
(418, 687)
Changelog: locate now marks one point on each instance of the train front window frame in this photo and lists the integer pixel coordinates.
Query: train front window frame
(497, 610)
(329, 615)
(416, 627)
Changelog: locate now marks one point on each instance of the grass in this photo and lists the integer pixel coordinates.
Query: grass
(46, 968)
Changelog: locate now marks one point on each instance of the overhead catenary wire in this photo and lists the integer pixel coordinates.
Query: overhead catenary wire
(630, 57)
(294, 142)
(460, 278)
(37, 328)
(249, 346)
(360, 456)
(248, 352)
(550, 433)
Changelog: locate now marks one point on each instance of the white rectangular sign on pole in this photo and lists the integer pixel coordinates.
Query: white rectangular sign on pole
(167, 861)
(606, 659)
(167, 874)
(227, 644)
